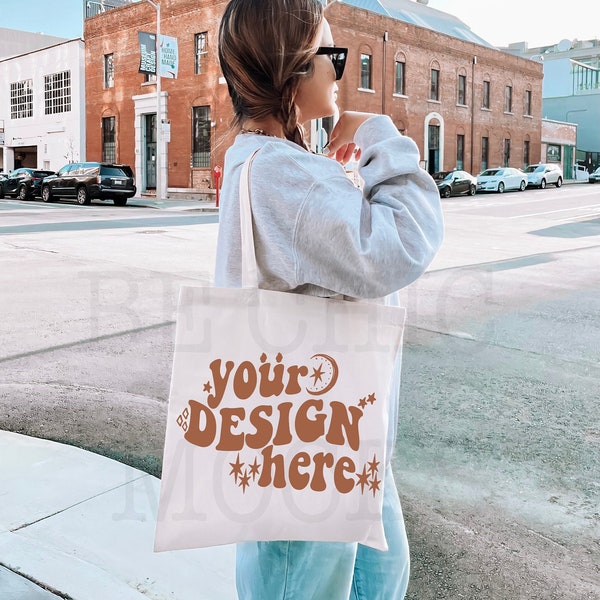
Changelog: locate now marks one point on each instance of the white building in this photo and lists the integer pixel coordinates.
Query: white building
(571, 89)
(42, 107)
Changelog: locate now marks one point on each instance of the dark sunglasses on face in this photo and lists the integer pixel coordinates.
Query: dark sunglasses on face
(337, 56)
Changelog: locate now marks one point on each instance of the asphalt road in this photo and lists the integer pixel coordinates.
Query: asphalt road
(498, 455)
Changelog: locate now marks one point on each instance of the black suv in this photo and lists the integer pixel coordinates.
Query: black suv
(85, 181)
(23, 183)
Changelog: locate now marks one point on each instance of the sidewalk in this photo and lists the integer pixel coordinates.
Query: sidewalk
(208, 206)
(82, 527)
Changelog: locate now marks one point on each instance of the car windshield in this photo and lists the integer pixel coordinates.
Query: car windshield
(490, 172)
(42, 173)
(442, 175)
(534, 169)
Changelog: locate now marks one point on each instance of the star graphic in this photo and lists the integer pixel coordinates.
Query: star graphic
(373, 465)
(236, 468)
(245, 481)
(374, 485)
(317, 374)
(207, 387)
(363, 479)
(362, 402)
(254, 468)
(371, 399)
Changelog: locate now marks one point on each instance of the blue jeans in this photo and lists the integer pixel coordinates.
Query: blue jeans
(328, 571)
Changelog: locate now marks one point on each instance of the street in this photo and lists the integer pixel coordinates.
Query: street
(498, 454)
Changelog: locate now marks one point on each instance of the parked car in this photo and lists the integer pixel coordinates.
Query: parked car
(453, 183)
(85, 181)
(543, 174)
(501, 179)
(23, 183)
(595, 176)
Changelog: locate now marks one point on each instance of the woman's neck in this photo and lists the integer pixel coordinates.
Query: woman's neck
(269, 126)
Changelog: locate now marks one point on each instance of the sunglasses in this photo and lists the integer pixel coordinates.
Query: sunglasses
(338, 58)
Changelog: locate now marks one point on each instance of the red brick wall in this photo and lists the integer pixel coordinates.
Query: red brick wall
(116, 32)
(357, 28)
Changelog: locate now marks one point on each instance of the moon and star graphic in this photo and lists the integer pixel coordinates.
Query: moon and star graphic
(324, 374)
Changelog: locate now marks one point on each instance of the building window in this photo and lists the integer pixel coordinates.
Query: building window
(201, 133)
(525, 154)
(508, 99)
(201, 46)
(109, 144)
(506, 152)
(462, 90)
(553, 153)
(485, 100)
(21, 99)
(109, 71)
(150, 77)
(484, 153)
(528, 102)
(434, 92)
(57, 93)
(366, 81)
(400, 86)
(460, 152)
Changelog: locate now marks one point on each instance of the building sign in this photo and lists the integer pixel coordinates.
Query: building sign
(169, 57)
(147, 53)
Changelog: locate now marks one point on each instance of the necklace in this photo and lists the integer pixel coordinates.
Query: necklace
(257, 132)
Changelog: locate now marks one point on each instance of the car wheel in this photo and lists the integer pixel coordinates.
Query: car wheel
(472, 190)
(501, 188)
(559, 182)
(46, 194)
(542, 184)
(120, 201)
(523, 185)
(446, 192)
(82, 195)
(2, 192)
(23, 194)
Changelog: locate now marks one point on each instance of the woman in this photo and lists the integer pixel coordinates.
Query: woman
(316, 233)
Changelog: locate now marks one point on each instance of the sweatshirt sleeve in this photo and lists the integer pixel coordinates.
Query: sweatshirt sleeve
(372, 243)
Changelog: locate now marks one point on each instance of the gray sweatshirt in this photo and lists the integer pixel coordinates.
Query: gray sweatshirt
(317, 233)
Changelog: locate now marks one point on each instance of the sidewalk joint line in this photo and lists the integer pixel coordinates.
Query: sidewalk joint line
(99, 338)
(66, 508)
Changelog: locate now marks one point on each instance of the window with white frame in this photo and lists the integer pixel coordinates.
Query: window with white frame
(400, 81)
(109, 70)
(434, 88)
(366, 77)
(201, 136)
(109, 142)
(57, 93)
(508, 99)
(462, 90)
(201, 51)
(21, 99)
(485, 98)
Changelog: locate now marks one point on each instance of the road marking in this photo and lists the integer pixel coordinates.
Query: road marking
(550, 212)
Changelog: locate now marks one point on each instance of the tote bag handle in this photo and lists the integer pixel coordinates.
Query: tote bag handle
(249, 267)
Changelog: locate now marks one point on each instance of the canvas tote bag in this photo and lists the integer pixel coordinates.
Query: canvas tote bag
(278, 414)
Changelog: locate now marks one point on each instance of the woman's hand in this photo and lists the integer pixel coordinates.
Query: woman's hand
(341, 142)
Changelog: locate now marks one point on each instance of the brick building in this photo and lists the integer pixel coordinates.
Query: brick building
(419, 76)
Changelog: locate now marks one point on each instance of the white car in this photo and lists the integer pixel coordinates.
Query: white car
(501, 179)
(543, 174)
(595, 176)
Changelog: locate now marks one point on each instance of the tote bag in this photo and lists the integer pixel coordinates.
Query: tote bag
(278, 414)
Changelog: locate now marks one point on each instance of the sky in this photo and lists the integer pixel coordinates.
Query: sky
(531, 21)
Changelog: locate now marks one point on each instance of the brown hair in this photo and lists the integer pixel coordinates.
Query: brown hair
(265, 49)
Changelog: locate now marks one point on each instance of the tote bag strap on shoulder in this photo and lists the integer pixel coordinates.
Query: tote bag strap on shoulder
(249, 267)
